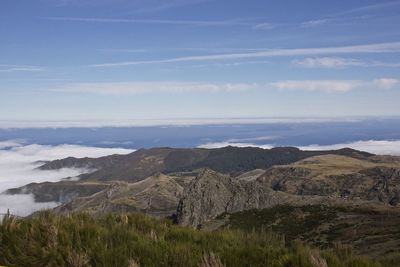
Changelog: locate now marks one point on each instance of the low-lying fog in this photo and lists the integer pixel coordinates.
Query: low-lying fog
(18, 167)
(378, 147)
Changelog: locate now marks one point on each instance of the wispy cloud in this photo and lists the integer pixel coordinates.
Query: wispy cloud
(182, 49)
(131, 88)
(148, 6)
(264, 26)
(20, 68)
(168, 87)
(159, 6)
(327, 62)
(339, 62)
(198, 23)
(137, 50)
(313, 23)
(368, 48)
(358, 13)
(370, 7)
(336, 85)
(231, 64)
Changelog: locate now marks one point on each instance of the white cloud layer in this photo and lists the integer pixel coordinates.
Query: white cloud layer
(339, 62)
(135, 122)
(328, 62)
(379, 147)
(167, 87)
(10, 143)
(18, 167)
(336, 85)
(128, 88)
(22, 205)
(228, 143)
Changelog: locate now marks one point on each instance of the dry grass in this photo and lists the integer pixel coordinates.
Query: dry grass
(337, 165)
(133, 240)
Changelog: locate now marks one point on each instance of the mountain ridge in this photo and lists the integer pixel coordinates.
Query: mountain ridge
(231, 160)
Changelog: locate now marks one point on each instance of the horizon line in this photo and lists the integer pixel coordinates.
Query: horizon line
(180, 122)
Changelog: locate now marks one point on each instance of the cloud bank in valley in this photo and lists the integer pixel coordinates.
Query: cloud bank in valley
(228, 143)
(18, 167)
(382, 147)
(22, 204)
(379, 147)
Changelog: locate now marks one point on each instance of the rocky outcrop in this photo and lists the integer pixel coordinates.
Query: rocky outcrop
(332, 180)
(212, 194)
(209, 195)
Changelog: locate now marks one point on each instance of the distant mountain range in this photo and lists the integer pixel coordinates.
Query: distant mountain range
(230, 160)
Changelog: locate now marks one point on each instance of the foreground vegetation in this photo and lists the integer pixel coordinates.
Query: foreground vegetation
(372, 232)
(138, 240)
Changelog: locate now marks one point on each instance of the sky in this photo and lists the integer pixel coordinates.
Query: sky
(122, 61)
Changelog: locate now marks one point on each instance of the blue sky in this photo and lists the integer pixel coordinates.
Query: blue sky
(124, 61)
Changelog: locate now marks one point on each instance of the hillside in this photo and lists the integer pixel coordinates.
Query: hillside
(373, 232)
(229, 160)
(156, 195)
(330, 179)
(347, 197)
(62, 192)
(143, 163)
(134, 240)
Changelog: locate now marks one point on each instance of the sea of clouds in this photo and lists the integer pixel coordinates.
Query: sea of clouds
(18, 167)
(378, 147)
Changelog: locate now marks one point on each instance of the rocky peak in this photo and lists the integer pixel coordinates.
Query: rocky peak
(205, 197)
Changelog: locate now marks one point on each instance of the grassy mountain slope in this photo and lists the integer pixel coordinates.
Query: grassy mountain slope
(230, 160)
(156, 195)
(137, 240)
(370, 232)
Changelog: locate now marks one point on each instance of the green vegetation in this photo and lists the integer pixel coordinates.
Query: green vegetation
(293, 222)
(370, 232)
(139, 240)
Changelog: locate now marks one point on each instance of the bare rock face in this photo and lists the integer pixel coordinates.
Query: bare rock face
(329, 179)
(209, 195)
(212, 194)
